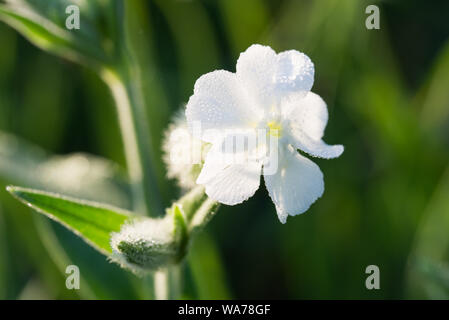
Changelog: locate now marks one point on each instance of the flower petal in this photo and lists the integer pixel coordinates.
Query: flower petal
(297, 184)
(308, 113)
(270, 77)
(220, 103)
(307, 120)
(255, 69)
(226, 182)
(294, 72)
(318, 148)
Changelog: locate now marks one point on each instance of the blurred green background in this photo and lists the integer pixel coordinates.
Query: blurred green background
(387, 197)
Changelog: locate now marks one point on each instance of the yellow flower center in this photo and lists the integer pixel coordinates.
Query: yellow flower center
(275, 129)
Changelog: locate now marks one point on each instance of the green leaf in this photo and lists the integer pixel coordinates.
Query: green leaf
(197, 209)
(146, 85)
(77, 175)
(91, 221)
(43, 23)
(180, 232)
(434, 97)
(51, 37)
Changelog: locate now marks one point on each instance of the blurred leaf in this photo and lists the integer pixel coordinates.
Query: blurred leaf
(58, 254)
(207, 269)
(29, 19)
(80, 175)
(96, 16)
(431, 244)
(26, 254)
(433, 278)
(93, 222)
(144, 80)
(434, 97)
(34, 290)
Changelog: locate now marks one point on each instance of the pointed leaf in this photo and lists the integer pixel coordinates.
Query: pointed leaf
(180, 232)
(91, 221)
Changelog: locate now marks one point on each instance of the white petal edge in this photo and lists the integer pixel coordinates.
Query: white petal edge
(317, 148)
(255, 69)
(219, 103)
(308, 113)
(269, 77)
(229, 183)
(294, 72)
(296, 186)
(307, 118)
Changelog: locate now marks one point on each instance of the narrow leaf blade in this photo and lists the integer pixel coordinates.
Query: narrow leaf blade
(91, 221)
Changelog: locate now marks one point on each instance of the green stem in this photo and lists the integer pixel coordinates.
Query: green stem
(127, 92)
(137, 144)
(167, 283)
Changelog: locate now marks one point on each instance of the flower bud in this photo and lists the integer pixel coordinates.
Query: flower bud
(183, 154)
(150, 244)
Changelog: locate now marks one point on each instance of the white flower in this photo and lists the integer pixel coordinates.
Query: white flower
(183, 154)
(268, 91)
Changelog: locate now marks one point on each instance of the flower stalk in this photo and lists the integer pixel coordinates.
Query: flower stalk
(136, 143)
(167, 283)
